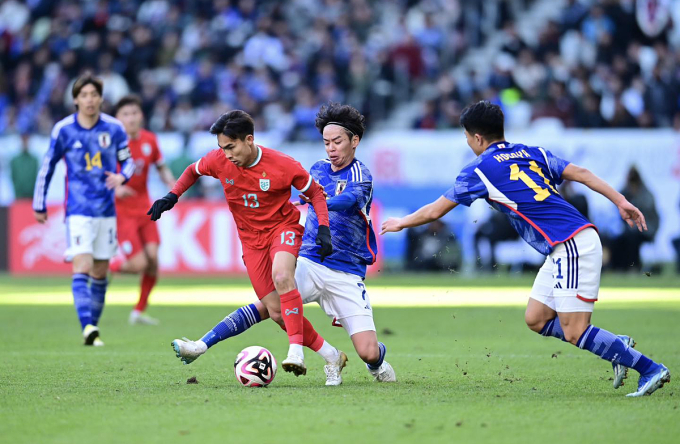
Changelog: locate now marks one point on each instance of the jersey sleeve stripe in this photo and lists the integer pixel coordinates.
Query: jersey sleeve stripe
(361, 173)
(545, 156)
(197, 171)
(39, 194)
(309, 184)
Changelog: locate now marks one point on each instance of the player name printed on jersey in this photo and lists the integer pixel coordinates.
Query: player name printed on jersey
(196, 237)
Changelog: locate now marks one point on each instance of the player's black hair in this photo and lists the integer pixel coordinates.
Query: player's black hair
(84, 80)
(346, 116)
(130, 99)
(235, 124)
(484, 118)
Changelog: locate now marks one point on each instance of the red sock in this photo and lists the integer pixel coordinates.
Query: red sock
(291, 309)
(310, 338)
(148, 282)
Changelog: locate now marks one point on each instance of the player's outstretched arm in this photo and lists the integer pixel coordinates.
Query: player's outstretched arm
(628, 211)
(424, 215)
(186, 180)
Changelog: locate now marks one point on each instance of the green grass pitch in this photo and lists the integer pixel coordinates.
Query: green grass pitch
(467, 373)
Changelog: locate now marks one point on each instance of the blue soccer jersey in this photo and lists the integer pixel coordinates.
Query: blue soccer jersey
(89, 154)
(350, 194)
(521, 182)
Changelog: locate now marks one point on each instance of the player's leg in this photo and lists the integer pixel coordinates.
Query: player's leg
(234, 324)
(258, 267)
(150, 238)
(540, 315)
(310, 280)
(79, 239)
(574, 304)
(104, 247)
(369, 349)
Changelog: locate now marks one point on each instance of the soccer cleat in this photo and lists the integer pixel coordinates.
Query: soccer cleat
(621, 371)
(385, 373)
(334, 369)
(648, 384)
(187, 350)
(138, 317)
(98, 342)
(90, 333)
(295, 364)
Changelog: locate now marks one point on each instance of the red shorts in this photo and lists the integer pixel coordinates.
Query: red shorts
(259, 261)
(134, 232)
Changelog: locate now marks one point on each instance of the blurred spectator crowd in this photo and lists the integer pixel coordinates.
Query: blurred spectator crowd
(191, 60)
(591, 67)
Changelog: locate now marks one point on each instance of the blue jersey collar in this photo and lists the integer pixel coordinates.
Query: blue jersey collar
(342, 170)
(497, 145)
(75, 119)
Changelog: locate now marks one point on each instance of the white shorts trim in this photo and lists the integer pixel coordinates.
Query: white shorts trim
(97, 236)
(342, 296)
(569, 280)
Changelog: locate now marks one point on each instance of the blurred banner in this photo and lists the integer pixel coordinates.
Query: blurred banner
(196, 237)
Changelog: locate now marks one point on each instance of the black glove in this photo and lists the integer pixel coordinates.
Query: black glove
(161, 205)
(323, 238)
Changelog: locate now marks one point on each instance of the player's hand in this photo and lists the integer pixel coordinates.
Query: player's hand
(161, 205)
(113, 180)
(303, 200)
(124, 191)
(40, 217)
(323, 238)
(391, 225)
(632, 215)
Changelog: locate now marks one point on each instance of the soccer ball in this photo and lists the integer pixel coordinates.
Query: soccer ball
(255, 367)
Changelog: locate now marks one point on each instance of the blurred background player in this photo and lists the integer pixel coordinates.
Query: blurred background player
(137, 235)
(92, 143)
(511, 178)
(257, 185)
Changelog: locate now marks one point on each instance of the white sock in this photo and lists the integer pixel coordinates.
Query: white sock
(202, 345)
(296, 349)
(328, 352)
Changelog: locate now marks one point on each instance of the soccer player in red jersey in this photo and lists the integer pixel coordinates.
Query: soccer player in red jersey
(137, 235)
(257, 185)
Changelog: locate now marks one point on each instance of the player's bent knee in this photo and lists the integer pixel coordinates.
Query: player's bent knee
(534, 322)
(283, 281)
(276, 316)
(368, 351)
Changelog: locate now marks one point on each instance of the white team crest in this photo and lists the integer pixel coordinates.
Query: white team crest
(146, 149)
(340, 186)
(264, 184)
(104, 140)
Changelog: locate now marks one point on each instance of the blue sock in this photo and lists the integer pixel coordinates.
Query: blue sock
(234, 324)
(376, 365)
(553, 328)
(610, 347)
(81, 298)
(98, 294)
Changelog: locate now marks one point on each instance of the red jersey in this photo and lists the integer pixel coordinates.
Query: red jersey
(145, 152)
(258, 195)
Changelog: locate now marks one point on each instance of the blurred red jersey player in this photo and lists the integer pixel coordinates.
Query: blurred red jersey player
(138, 237)
(257, 185)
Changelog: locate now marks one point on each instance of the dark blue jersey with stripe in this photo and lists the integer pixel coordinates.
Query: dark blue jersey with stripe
(350, 195)
(89, 154)
(521, 181)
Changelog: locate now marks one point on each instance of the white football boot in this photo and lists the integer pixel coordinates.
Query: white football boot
(138, 317)
(385, 373)
(187, 350)
(294, 363)
(621, 371)
(98, 342)
(90, 333)
(334, 369)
